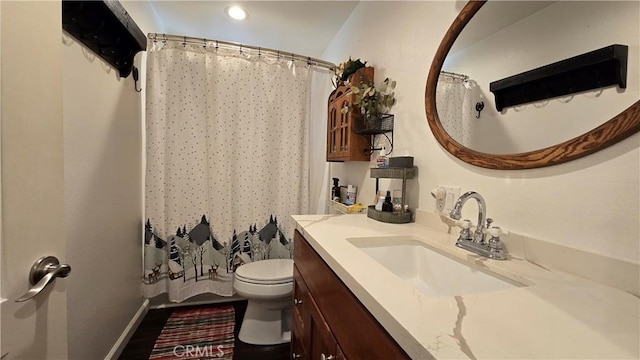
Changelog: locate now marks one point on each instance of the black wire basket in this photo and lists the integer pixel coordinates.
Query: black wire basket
(373, 125)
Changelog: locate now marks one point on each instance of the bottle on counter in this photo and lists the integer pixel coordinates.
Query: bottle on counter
(379, 203)
(351, 195)
(335, 190)
(387, 205)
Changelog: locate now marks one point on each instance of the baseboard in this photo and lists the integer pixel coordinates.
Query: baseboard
(162, 301)
(126, 335)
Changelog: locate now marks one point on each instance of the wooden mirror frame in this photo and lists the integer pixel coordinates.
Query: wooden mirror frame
(618, 128)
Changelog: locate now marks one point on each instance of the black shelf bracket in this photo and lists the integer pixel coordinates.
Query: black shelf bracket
(596, 69)
(105, 27)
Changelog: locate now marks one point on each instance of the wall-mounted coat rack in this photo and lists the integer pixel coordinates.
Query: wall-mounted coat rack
(596, 69)
(106, 28)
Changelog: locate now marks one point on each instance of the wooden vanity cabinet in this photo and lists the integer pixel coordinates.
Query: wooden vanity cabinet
(343, 143)
(328, 320)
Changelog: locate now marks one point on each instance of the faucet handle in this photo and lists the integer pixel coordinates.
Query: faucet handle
(465, 233)
(496, 246)
(496, 231)
(464, 224)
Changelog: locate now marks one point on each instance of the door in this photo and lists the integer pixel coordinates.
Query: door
(32, 179)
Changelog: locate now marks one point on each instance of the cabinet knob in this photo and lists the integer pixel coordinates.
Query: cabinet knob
(295, 356)
(297, 301)
(326, 357)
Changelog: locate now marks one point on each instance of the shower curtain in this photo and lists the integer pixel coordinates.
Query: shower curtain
(454, 103)
(227, 163)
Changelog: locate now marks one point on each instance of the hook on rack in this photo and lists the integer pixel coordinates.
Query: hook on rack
(479, 107)
(134, 72)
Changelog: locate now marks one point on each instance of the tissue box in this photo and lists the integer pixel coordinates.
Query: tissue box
(401, 161)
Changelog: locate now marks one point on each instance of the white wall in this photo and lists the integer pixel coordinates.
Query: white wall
(103, 200)
(591, 203)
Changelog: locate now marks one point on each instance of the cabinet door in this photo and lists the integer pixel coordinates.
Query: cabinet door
(343, 144)
(323, 345)
(332, 132)
(297, 349)
(301, 317)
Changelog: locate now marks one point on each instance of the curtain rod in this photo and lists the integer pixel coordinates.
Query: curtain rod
(261, 50)
(455, 75)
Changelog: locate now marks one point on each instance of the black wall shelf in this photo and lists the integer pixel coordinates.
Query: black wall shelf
(106, 28)
(382, 125)
(596, 69)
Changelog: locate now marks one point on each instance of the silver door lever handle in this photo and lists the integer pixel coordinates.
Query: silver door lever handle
(42, 273)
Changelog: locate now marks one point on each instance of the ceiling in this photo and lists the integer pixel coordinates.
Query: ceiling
(303, 27)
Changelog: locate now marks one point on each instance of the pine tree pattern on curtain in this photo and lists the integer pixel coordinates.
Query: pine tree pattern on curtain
(227, 164)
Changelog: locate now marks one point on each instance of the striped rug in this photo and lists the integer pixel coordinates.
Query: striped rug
(200, 333)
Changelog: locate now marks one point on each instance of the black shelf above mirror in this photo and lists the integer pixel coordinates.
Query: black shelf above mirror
(593, 70)
(106, 28)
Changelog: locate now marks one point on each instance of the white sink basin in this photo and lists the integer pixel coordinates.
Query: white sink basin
(428, 270)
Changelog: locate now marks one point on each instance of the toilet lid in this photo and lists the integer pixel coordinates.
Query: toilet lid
(272, 271)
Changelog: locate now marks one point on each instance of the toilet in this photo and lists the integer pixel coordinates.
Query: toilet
(268, 285)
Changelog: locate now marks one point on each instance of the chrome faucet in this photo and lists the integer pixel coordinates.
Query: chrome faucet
(456, 213)
(493, 248)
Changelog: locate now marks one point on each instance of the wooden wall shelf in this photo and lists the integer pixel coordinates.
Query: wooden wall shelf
(596, 69)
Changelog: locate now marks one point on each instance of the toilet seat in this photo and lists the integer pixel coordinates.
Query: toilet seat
(266, 272)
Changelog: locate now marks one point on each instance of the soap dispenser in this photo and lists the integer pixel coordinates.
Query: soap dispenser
(387, 206)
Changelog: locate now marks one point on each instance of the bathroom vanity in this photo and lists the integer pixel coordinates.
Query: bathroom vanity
(357, 278)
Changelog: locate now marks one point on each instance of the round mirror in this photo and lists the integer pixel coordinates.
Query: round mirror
(505, 38)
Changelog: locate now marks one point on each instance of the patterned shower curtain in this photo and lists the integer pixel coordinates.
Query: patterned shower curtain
(454, 103)
(227, 163)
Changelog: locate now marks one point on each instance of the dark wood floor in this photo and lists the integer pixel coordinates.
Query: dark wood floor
(141, 344)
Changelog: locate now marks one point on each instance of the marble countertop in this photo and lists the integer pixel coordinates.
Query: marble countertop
(557, 316)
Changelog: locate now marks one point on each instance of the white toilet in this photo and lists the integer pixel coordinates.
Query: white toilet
(268, 285)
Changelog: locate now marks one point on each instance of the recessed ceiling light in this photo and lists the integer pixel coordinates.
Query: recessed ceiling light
(236, 12)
